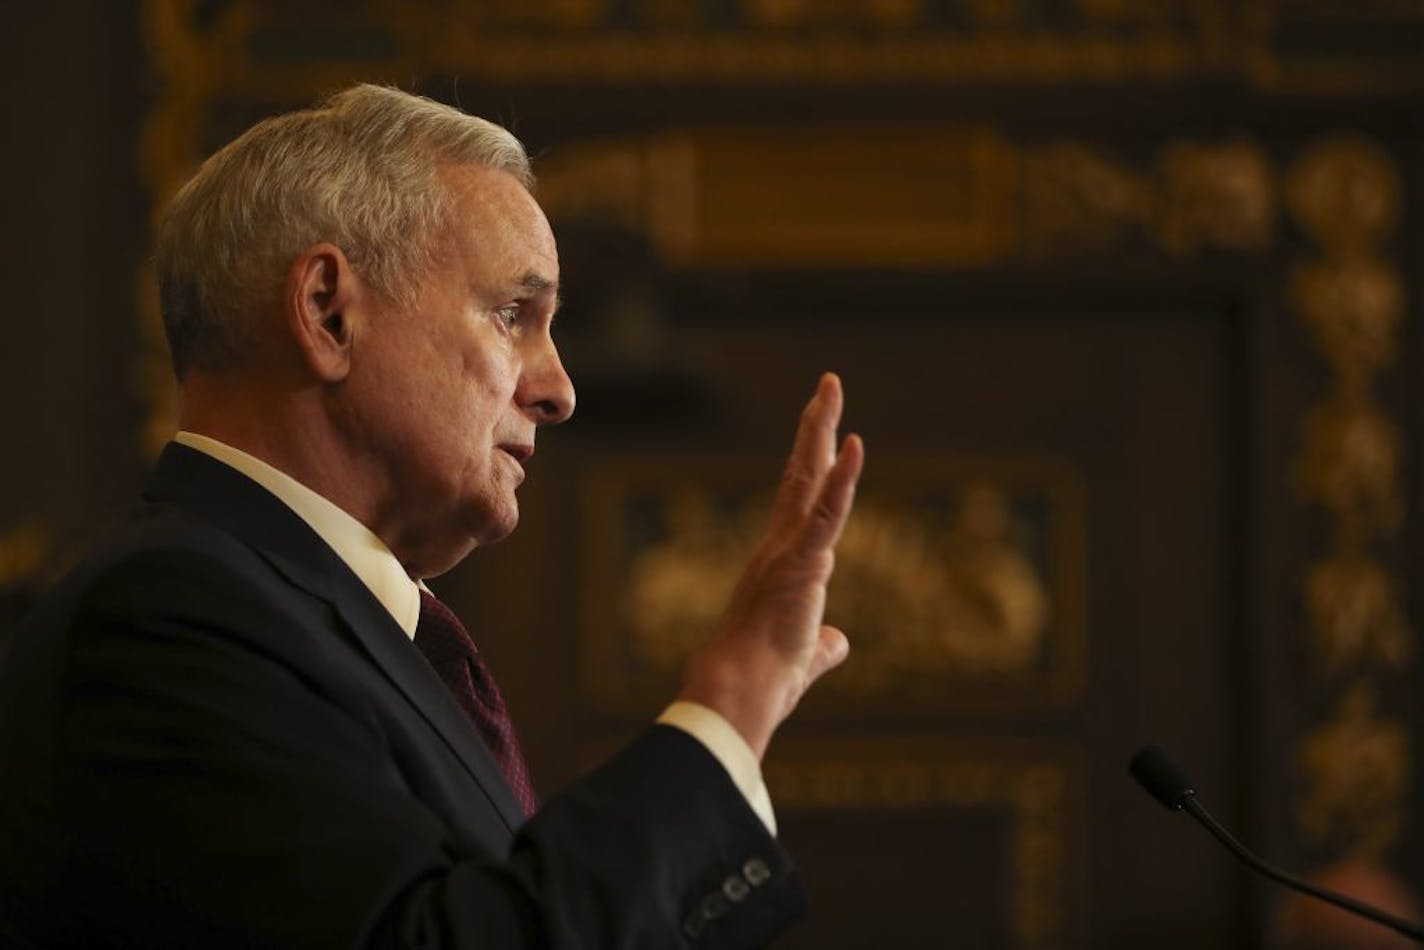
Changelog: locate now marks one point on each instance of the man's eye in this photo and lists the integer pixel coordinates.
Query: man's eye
(509, 315)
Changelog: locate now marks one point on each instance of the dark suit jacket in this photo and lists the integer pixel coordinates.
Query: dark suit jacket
(213, 735)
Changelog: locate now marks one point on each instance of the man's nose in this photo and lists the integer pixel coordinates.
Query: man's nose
(546, 393)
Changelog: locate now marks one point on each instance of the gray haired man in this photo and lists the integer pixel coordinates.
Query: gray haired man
(245, 722)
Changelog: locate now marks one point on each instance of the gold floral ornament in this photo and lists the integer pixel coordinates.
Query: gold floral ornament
(1350, 464)
(1353, 307)
(1219, 196)
(1198, 196)
(919, 601)
(1345, 193)
(1355, 612)
(970, 601)
(1075, 196)
(679, 586)
(1358, 764)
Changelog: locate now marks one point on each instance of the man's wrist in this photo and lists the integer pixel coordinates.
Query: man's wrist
(729, 748)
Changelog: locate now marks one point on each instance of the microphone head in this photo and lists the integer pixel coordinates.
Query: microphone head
(1151, 767)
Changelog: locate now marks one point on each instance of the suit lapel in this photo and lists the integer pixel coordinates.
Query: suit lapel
(397, 657)
(216, 492)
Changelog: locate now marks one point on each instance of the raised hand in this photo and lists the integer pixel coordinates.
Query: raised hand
(771, 644)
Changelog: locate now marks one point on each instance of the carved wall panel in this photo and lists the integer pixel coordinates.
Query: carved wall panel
(1357, 759)
(965, 573)
(266, 46)
(1037, 788)
(962, 579)
(930, 197)
(1031, 794)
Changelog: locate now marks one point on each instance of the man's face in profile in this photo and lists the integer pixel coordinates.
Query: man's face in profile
(445, 395)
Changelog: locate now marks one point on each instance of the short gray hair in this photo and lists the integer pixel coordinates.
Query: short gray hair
(360, 171)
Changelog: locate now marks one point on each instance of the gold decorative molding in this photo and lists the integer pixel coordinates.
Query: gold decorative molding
(1196, 196)
(1345, 193)
(972, 198)
(910, 197)
(744, 41)
(1357, 763)
(265, 51)
(958, 572)
(873, 197)
(1039, 788)
(1356, 614)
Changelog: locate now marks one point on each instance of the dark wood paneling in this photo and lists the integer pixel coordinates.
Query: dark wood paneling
(1174, 383)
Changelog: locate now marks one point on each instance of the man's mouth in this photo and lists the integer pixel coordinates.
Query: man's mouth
(520, 453)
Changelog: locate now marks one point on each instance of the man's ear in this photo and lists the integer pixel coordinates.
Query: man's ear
(316, 298)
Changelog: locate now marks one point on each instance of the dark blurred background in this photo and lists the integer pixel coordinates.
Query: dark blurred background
(1126, 298)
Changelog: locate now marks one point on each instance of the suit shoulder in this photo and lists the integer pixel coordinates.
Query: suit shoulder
(162, 563)
(168, 548)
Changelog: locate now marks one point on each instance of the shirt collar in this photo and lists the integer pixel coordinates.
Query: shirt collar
(365, 553)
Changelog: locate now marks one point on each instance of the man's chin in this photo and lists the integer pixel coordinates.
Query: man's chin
(491, 527)
(485, 529)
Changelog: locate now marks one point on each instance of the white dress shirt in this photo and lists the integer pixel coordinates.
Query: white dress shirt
(372, 562)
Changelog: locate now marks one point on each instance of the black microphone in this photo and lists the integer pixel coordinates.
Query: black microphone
(1170, 786)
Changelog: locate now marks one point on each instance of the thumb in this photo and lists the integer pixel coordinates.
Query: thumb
(831, 651)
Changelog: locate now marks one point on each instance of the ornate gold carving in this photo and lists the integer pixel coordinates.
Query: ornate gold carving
(1198, 196)
(1074, 196)
(1345, 193)
(253, 50)
(1358, 766)
(815, 198)
(1354, 606)
(1220, 196)
(774, 40)
(972, 600)
(1350, 464)
(1353, 305)
(958, 197)
(1039, 790)
(975, 580)
(679, 586)
(646, 186)
(919, 603)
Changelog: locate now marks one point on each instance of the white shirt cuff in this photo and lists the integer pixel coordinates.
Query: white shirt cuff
(728, 747)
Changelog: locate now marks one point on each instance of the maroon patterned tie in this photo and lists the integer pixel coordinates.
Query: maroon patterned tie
(448, 647)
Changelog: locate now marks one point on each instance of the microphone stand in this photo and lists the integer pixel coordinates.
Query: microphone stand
(1164, 782)
(1194, 808)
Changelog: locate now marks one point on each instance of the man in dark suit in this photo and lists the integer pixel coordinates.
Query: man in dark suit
(244, 721)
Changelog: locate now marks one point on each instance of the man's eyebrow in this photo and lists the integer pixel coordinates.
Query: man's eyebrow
(533, 283)
(537, 283)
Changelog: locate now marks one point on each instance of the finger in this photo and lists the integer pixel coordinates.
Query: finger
(812, 454)
(822, 529)
(831, 651)
(813, 451)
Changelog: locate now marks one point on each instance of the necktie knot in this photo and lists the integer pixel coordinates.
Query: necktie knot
(447, 645)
